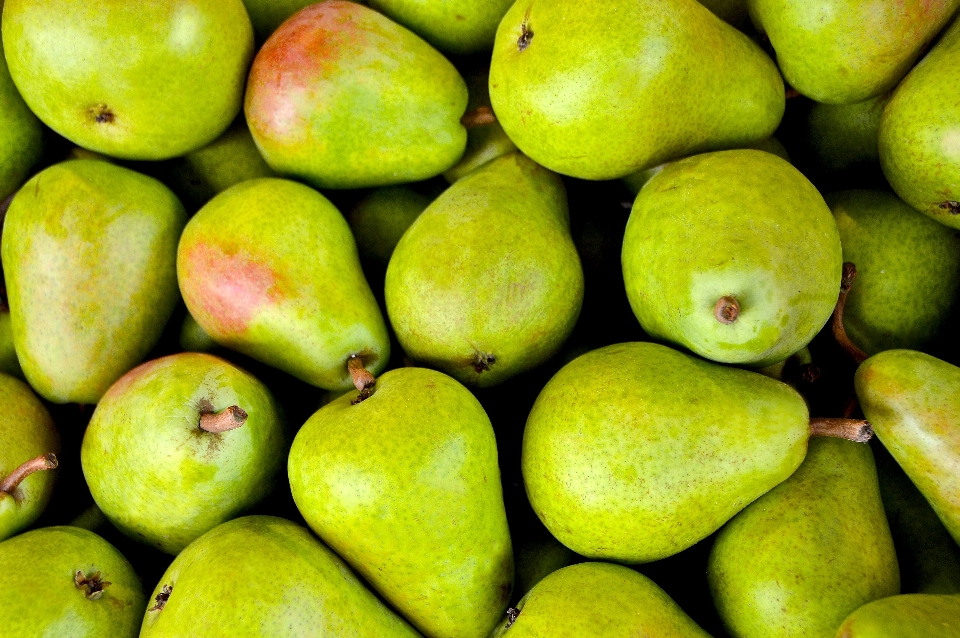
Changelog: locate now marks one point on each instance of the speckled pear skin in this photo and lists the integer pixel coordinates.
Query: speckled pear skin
(311, 590)
(155, 474)
(907, 616)
(635, 451)
(26, 432)
(269, 268)
(379, 220)
(593, 90)
(846, 135)
(343, 97)
(803, 556)
(460, 27)
(483, 309)
(46, 601)
(846, 51)
(913, 402)
(89, 253)
(905, 288)
(73, 65)
(405, 487)
(743, 224)
(598, 600)
(21, 134)
(919, 153)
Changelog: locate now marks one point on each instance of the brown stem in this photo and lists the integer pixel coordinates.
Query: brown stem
(362, 379)
(42, 462)
(223, 421)
(726, 310)
(836, 323)
(789, 93)
(856, 430)
(480, 116)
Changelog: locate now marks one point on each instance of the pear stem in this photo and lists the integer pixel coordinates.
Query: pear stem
(480, 116)
(42, 462)
(362, 379)
(727, 310)
(223, 421)
(836, 323)
(856, 430)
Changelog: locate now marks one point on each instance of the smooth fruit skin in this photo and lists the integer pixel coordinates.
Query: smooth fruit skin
(379, 220)
(907, 616)
(342, 97)
(846, 135)
(484, 309)
(9, 364)
(155, 474)
(596, 89)
(461, 27)
(913, 402)
(743, 224)
(405, 487)
(304, 591)
(846, 51)
(635, 451)
(598, 600)
(21, 134)
(88, 254)
(26, 432)
(43, 598)
(269, 268)
(268, 15)
(908, 270)
(919, 152)
(804, 555)
(134, 79)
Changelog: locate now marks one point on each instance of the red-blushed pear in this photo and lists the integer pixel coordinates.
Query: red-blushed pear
(135, 79)
(342, 97)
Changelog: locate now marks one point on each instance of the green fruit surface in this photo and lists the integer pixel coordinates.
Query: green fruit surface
(21, 135)
(907, 616)
(846, 135)
(454, 26)
(379, 220)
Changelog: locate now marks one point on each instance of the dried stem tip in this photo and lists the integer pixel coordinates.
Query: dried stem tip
(856, 430)
(223, 421)
(362, 379)
(42, 462)
(836, 323)
(91, 586)
(480, 116)
(727, 310)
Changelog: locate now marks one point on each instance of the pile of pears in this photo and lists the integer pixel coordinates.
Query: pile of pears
(480, 318)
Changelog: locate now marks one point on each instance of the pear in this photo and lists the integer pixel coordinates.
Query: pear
(29, 444)
(130, 79)
(487, 282)
(342, 97)
(179, 445)
(733, 255)
(311, 591)
(907, 616)
(842, 51)
(269, 268)
(267, 15)
(806, 554)
(536, 559)
(913, 401)
(845, 136)
(379, 220)
(404, 485)
(597, 600)
(634, 452)
(67, 581)
(733, 12)
(21, 135)
(193, 338)
(904, 289)
(598, 90)
(453, 26)
(9, 364)
(918, 147)
(89, 253)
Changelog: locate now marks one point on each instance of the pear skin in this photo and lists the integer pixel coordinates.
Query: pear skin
(21, 135)
(907, 616)
(379, 220)
(844, 136)
(460, 27)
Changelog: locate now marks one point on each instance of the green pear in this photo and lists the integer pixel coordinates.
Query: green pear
(919, 152)
(308, 591)
(487, 282)
(404, 485)
(67, 581)
(635, 451)
(28, 445)
(9, 364)
(843, 51)
(536, 559)
(269, 268)
(267, 15)
(601, 90)
(88, 254)
(913, 402)
(806, 554)
(905, 287)
(845, 136)
(179, 445)
(733, 255)
(134, 80)
(733, 12)
(193, 338)
(907, 616)
(379, 220)
(21, 135)
(343, 97)
(460, 27)
(597, 600)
